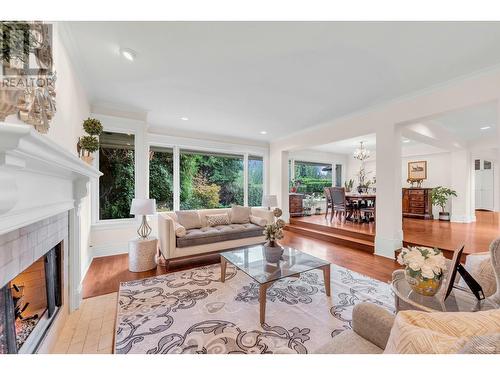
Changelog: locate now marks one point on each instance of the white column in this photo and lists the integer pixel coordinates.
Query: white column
(389, 231)
(245, 179)
(278, 181)
(462, 207)
(177, 179)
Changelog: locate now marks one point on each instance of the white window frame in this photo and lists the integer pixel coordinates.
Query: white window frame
(179, 144)
(123, 126)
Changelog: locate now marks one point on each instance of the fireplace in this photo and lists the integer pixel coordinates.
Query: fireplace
(30, 302)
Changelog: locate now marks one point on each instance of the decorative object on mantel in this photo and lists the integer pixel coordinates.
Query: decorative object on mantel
(89, 144)
(269, 201)
(424, 268)
(28, 91)
(143, 207)
(439, 197)
(274, 232)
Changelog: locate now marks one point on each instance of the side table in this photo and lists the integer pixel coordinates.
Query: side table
(458, 300)
(142, 254)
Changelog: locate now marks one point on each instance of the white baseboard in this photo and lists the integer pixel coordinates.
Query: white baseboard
(107, 250)
(386, 247)
(463, 218)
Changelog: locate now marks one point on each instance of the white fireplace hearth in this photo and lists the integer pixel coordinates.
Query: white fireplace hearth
(41, 189)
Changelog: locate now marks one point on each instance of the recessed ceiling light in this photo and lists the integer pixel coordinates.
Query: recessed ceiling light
(128, 53)
(485, 127)
(184, 118)
(263, 132)
(406, 141)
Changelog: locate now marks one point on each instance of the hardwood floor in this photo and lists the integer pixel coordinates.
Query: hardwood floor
(105, 274)
(475, 236)
(434, 233)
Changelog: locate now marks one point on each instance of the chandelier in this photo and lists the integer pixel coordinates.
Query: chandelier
(361, 153)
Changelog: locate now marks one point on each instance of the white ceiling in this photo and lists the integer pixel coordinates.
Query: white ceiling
(466, 124)
(238, 78)
(348, 146)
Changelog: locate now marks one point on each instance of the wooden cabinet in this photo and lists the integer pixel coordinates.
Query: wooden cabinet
(417, 203)
(295, 204)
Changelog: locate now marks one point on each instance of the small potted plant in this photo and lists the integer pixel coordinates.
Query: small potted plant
(89, 144)
(273, 232)
(349, 185)
(439, 197)
(424, 268)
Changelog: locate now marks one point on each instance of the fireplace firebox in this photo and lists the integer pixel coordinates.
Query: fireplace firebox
(29, 303)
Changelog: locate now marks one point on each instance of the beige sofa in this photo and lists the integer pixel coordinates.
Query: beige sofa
(209, 239)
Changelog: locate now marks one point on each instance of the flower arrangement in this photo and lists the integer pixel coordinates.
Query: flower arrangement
(424, 268)
(274, 231)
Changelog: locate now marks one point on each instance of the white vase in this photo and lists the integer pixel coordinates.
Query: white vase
(273, 252)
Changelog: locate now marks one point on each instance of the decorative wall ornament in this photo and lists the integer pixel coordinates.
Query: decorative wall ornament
(28, 80)
(417, 170)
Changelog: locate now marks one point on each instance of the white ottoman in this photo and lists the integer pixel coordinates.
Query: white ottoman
(142, 254)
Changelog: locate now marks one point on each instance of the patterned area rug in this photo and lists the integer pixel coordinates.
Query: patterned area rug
(193, 312)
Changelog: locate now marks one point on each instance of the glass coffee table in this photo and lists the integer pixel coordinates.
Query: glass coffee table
(252, 261)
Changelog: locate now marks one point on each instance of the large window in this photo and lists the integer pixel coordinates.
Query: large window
(313, 177)
(161, 178)
(116, 185)
(210, 180)
(255, 180)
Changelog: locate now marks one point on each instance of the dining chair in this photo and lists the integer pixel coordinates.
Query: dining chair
(339, 203)
(328, 197)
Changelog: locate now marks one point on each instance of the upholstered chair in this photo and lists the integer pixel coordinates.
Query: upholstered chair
(485, 268)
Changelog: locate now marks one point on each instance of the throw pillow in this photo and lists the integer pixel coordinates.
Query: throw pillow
(240, 214)
(489, 344)
(418, 332)
(260, 221)
(179, 230)
(221, 219)
(189, 219)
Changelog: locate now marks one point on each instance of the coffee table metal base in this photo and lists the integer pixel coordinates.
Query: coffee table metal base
(263, 287)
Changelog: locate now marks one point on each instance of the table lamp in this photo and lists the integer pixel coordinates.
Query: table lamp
(143, 207)
(269, 201)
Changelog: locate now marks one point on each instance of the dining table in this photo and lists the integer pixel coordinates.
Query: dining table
(357, 199)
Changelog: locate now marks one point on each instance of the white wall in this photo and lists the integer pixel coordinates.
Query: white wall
(438, 171)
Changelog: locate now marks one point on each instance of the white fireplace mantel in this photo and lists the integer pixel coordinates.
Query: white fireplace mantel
(40, 179)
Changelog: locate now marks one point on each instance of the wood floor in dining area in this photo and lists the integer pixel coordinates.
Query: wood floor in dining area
(476, 236)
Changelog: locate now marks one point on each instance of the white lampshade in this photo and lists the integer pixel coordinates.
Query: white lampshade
(143, 206)
(269, 201)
